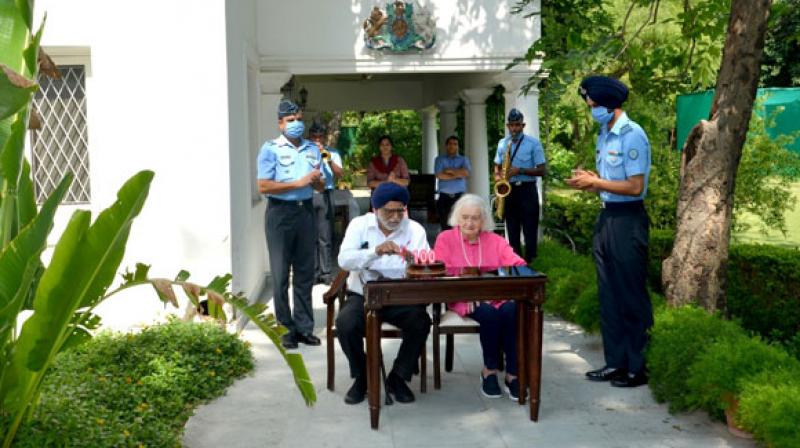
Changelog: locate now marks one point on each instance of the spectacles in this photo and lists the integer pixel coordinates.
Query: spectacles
(393, 211)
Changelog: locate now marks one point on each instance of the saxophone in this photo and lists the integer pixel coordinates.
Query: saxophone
(502, 187)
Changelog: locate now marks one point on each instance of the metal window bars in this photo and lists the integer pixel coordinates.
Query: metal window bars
(61, 145)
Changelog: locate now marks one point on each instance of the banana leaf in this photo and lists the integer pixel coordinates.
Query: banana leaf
(84, 264)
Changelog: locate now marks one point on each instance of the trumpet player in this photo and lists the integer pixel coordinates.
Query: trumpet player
(522, 203)
(331, 168)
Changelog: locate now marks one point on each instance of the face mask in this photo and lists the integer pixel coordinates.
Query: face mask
(602, 115)
(294, 129)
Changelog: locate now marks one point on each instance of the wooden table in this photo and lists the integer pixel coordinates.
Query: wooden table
(527, 291)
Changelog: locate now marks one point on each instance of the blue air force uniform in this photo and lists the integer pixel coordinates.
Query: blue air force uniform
(621, 236)
(522, 204)
(290, 227)
(450, 190)
(324, 209)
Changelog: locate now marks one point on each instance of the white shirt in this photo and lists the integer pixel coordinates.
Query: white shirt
(363, 235)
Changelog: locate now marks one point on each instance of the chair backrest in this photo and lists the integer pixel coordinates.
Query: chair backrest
(422, 189)
(337, 288)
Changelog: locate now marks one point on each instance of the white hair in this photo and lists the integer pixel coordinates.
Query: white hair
(472, 200)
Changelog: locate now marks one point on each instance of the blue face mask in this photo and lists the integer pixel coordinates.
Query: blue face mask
(294, 129)
(602, 115)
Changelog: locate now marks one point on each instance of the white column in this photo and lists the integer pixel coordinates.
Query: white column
(448, 119)
(476, 146)
(271, 84)
(430, 147)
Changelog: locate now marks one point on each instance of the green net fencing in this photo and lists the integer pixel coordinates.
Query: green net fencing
(782, 104)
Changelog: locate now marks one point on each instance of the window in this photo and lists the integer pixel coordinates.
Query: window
(61, 144)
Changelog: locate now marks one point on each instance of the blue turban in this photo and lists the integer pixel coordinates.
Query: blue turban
(387, 192)
(515, 116)
(317, 128)
(604, 91)
(286, 107)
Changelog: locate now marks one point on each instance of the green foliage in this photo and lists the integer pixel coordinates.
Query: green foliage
(570, 218)
(134, 390)
(403, 126)
(780, 66)
(763, 285)
(658, 249)
(769, 407)
(678, 337)
(572, 284)
(723, 369)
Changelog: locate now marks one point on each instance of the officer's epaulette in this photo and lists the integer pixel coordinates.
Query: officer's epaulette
(625, 128)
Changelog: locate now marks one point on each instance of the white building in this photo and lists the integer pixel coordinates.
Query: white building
(190, 89)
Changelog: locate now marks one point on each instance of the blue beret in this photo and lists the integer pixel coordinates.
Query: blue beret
(604, 91)
(389, 191)
(317, 128)
(515, 116)
(286, 107)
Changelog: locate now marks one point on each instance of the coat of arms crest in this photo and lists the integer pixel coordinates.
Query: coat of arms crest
(401, 27)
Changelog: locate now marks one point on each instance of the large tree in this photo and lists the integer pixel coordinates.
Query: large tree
(696, 271)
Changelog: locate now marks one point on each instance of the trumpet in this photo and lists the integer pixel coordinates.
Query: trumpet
(502, 187)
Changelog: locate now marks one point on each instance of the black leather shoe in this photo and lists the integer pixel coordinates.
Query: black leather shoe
(308, 339)
(288, 341)
(398, 388)
(357, 391)
(630, 380)
(605, 374)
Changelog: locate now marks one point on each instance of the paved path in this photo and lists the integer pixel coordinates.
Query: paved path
(265, 409)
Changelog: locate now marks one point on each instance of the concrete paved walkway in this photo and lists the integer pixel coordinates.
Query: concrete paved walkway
(265, 409)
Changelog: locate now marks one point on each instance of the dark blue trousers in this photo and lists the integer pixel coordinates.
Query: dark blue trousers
(620, 253)
(291, 229)
(498, 325)
(522, 213)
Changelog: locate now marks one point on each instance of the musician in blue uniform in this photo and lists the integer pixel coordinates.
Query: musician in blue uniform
(288, 170)
(522, 204)
(323, 204)
(621, 232)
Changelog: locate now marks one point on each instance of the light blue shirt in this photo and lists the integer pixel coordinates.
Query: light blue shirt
(327, 173)
(281, 161)
(529, 155)
(457, 162)
(623, 151)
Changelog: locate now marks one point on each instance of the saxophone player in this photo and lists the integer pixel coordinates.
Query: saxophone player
(331, 170)
(522, 203)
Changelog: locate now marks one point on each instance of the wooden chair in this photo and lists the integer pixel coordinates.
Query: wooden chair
(449, 324)
(338, 290)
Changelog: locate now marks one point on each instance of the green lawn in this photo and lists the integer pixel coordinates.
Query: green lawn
(792, 238)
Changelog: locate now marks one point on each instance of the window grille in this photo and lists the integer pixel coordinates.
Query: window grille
(61, 145)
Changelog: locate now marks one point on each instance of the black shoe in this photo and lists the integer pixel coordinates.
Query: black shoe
(513, 388)
(630, 380)
(605, 374)
(357, 391)
(308, 339)
(490, 387)
(288, 341)
(398, 388)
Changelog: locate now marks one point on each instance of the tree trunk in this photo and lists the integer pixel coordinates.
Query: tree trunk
(696, 271)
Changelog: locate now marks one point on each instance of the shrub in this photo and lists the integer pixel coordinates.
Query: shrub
(763, 285)
(769, 407)
(572, 284)
(659, 248)
(722, 370)
(131, 390)
(570, 218)
(678, 337)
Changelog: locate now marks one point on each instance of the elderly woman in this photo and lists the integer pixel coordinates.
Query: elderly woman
(471, 243)
(387, 166)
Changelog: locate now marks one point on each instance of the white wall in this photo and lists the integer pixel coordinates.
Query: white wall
(248, 247)
(326, 37)
(157, 99)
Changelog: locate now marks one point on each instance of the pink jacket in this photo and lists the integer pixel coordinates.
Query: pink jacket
(492, 252)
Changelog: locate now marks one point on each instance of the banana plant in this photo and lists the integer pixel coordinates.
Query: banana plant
(85, 260)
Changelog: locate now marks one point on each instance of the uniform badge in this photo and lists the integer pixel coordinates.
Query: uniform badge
(633, 154)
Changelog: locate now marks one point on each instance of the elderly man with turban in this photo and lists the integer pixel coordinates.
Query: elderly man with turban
(288, 171)
(373, 244)
(621, 233)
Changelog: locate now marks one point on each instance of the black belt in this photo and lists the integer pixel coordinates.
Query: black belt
(451, 195)
(623, 206)
(519, 183)
(299, 203)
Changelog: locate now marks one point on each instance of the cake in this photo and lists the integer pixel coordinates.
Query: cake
(416, 270)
